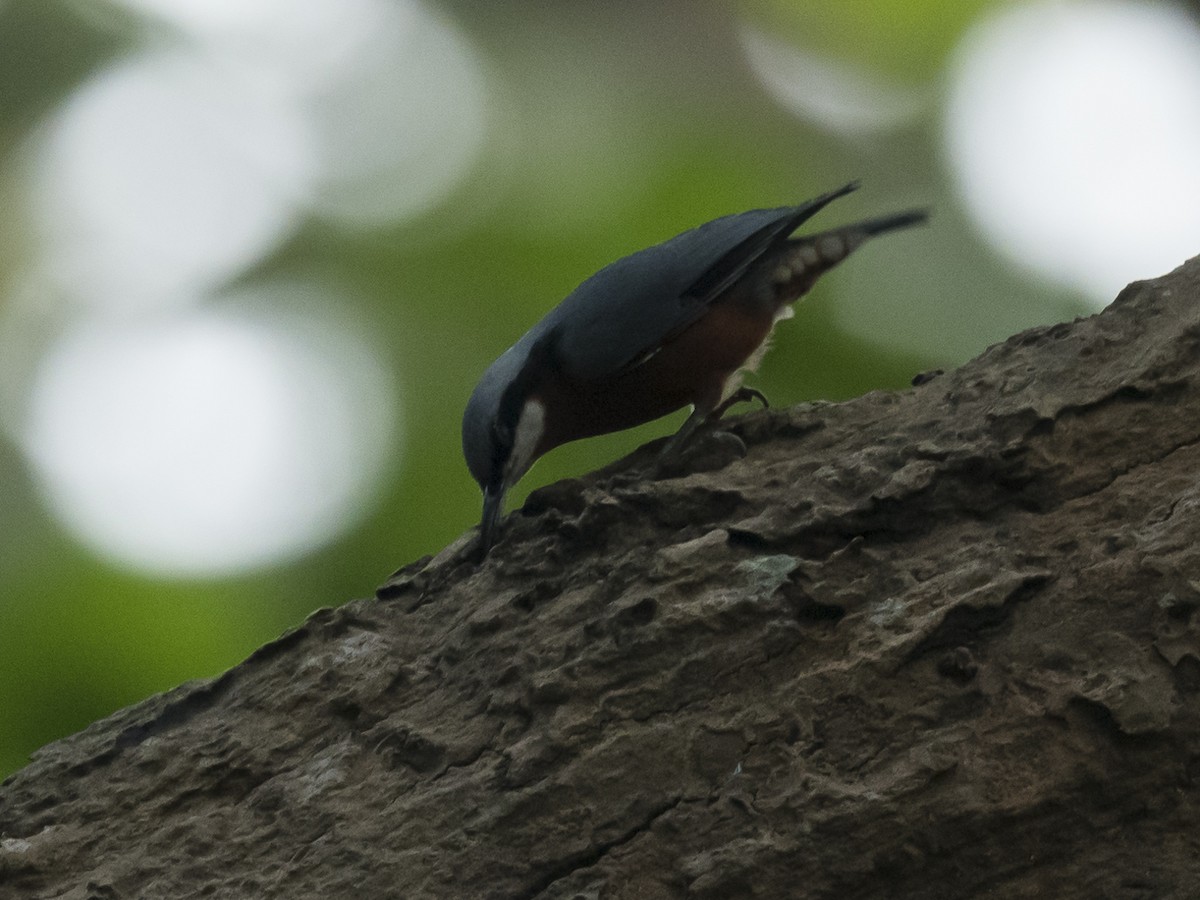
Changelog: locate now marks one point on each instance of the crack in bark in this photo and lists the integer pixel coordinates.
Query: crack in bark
(585, 859)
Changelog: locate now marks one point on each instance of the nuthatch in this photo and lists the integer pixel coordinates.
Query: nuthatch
(671, 325)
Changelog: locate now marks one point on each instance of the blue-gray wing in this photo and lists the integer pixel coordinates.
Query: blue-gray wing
(629, 308)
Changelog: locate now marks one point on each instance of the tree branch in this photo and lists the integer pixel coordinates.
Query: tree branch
(940, 642)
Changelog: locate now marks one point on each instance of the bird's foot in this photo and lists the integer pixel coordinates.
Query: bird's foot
(741, 395)
(708, 451)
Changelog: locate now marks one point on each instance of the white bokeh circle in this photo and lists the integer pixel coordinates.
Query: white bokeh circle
(163, 176)
(393, 94)
(211, 441)
(835, 94)
(1074, 132)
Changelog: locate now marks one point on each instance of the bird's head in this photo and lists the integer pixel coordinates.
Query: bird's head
(503, 426)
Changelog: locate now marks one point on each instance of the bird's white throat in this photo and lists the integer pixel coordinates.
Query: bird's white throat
(530, 426)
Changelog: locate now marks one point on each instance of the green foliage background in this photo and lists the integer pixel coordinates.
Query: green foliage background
(616, 126)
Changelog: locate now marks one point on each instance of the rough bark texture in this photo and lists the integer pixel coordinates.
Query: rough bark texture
(935, 643)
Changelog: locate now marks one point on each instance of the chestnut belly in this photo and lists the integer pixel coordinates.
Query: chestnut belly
(693, 367)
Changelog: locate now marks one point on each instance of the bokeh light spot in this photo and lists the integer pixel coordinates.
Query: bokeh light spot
(393, 95)
(402, 121)
(165, 175)
(829, 92)
(222, 17)
(211, 441)
(1074, 133)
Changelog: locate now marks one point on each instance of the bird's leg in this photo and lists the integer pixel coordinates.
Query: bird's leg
(741, 395)
(672, 447)
(700, 418)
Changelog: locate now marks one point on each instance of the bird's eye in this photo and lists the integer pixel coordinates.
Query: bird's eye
(502, 434)
(502, 441)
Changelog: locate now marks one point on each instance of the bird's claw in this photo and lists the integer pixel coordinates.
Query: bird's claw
(741, 395)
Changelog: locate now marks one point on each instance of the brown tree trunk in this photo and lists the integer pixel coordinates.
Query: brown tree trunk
(934, 643)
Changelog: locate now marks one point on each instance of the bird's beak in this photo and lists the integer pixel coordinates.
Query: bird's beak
(489, 527)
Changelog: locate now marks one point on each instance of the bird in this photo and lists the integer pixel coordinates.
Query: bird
(673, 325)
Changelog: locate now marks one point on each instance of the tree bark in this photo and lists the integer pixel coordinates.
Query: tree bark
(941, 642)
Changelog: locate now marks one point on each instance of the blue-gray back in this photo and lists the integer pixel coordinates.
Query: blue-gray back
(629, 307)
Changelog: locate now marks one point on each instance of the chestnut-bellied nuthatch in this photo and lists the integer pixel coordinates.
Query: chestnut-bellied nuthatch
(671, 325)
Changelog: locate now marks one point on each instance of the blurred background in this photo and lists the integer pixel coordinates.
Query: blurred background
(254, 255)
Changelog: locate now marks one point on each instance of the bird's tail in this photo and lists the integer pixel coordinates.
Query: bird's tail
(890, 223)
(805, 259)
